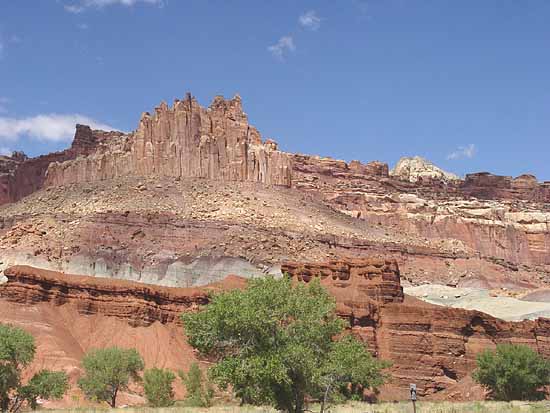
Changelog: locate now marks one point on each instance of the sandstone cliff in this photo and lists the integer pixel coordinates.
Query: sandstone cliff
(185, 140)
(432, 346)
(192, 190)
(21, 176)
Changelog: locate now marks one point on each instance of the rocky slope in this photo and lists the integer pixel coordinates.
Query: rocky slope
(192, 190)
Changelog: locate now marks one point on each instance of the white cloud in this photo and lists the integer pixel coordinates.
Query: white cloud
(82, 5)
(48, 127)
(468, 151)
(282, 47)
(83, 26)
(310, 20)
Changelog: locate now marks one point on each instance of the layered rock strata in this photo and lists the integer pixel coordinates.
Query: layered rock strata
(497, 217)
(139, 304)
(432, 346)
(375, 279)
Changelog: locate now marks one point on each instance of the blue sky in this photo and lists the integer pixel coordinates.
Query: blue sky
(465, 84)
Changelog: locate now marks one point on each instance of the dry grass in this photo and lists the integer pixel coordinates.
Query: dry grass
(421, 407)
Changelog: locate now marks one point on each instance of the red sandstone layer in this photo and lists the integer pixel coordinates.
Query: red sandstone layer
(432, 346)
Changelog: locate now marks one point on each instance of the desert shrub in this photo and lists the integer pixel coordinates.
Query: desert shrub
(199, 390)
(157, 384)
(17, 350)
(108, 371)
(274, 343)
(512, 372)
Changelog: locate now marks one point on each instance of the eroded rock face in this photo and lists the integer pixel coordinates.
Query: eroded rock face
(185, 140)
(416, 169)
(21, 176)
(432, 346)
(483, 219)
(376, 279)
(139, 304)
(498, 217)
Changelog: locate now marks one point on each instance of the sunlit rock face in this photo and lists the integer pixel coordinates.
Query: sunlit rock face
(185, 140)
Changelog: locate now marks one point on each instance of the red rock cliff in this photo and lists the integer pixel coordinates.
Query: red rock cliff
(21, 176)
(185, 140)
(139, 304)
(432, 346)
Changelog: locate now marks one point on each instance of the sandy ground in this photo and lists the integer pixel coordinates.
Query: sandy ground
(506, 308)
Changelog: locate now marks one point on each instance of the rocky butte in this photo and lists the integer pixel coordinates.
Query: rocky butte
(185, 140)
(194, 194)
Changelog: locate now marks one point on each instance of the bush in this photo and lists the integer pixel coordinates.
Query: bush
(199, 393)
(274, 343)
(157, 384)
(17, 350)
(512, 372)
(108, 371)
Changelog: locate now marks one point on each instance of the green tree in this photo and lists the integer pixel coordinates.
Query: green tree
(199, 392)
(348, 370)
(17, 351)
(46, 385)
(109, 371)
(157, 384)
(271, 342)
(512, 372)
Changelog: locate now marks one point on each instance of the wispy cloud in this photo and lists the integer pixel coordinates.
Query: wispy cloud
(83, 5)
(83, 26)
(310, 20)
(5, 151)
(468, 151)
(47, 127)
(282, 47)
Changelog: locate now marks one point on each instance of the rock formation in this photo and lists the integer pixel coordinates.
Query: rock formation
(139, 304)
(185, 140)
(417, 168)
(21, 176)
(375, 279)
(179, 199)
(432, 346)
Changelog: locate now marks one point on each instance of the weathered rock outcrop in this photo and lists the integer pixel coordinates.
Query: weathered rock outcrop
(417, 169)
(497, 217)
(432, 346)
(185, 140)
(145, 175)
(376, 279)
(139, 304)
(21, 176)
